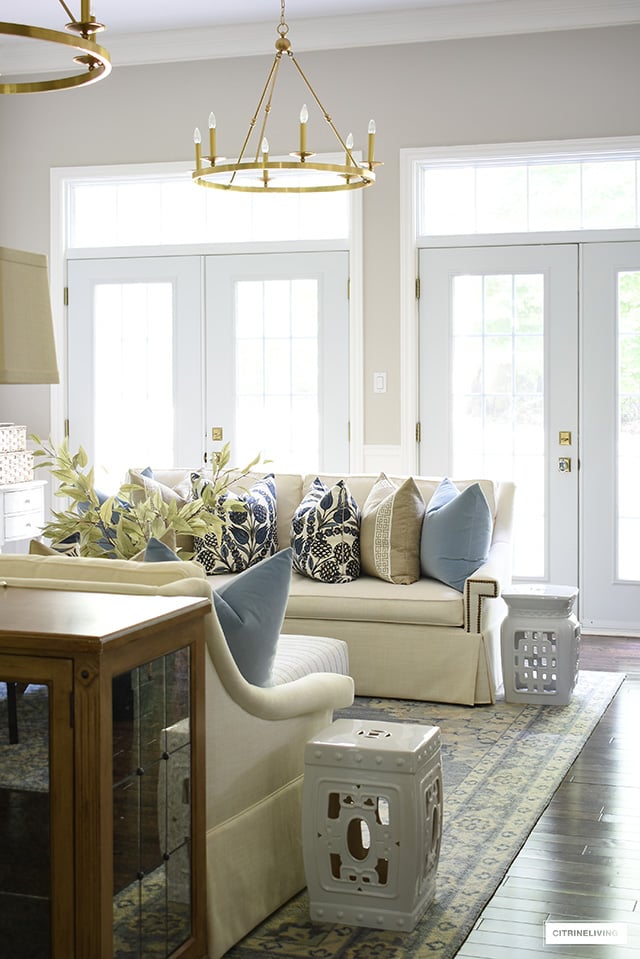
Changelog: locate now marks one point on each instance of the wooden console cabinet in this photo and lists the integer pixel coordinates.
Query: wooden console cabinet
(102, 807)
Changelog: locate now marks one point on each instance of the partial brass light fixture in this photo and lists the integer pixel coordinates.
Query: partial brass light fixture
(300, 174)
(94, 58)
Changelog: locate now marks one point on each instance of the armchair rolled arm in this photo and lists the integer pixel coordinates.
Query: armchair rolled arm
(301, 697)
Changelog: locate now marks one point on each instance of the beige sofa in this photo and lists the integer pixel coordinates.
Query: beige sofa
(424, 641)
(255, 740)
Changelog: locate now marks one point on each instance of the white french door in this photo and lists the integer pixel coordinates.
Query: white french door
(277, 357)
(499, 387)
(274, 371)
(134, 362)
(610, 448)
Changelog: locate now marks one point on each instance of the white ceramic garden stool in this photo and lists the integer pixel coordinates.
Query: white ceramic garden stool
(540, 644)
(372, 822)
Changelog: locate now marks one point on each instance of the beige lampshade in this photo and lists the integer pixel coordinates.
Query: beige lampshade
(27, 345)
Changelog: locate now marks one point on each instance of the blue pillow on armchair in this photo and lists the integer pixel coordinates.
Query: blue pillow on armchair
(456, 533)
(158, 552)
(250, 608)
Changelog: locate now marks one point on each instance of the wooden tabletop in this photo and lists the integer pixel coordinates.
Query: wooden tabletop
(84, 619)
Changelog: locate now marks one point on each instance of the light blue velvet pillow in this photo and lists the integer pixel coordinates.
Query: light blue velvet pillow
(456, 534)
(251, 609)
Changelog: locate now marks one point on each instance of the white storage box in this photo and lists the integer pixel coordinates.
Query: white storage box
(16, 467)
(12, 437)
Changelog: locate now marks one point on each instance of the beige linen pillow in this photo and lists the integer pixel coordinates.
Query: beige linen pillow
(151, 486)
(38, 548)
(390, 527)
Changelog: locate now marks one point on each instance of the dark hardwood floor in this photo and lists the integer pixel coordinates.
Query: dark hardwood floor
(582, 859)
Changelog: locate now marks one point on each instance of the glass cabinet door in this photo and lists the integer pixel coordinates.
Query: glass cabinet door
(152, 807)
(36, 825)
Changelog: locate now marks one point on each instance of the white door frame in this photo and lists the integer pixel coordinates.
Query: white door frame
(59, 190)
(616, 602)
(411, 242)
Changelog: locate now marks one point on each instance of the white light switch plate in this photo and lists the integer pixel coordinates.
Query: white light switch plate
(379, 382)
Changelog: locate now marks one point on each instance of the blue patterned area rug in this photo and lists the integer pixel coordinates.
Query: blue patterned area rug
(501, 765)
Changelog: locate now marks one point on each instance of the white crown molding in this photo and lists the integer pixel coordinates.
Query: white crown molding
(453, 21)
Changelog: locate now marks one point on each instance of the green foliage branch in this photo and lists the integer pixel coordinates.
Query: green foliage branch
(121, 526)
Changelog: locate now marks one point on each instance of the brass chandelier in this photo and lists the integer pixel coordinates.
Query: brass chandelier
(300, 174)
(94, 58)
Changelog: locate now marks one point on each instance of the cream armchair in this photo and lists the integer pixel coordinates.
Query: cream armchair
(254, 743)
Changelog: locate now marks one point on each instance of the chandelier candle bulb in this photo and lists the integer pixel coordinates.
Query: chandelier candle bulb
(197, 139)
(349, 145)
(372, 137)
(304, 117)
(212, 136)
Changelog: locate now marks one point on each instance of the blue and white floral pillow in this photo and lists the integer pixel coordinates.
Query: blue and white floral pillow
(248, 535)
(325, 534)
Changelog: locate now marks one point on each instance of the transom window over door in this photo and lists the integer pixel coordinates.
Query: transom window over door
(141, 209)
(532, 195)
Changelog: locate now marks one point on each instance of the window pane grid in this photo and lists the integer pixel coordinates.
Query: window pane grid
(498, 395)
(171, 209)
(277, 371)
(523, 197)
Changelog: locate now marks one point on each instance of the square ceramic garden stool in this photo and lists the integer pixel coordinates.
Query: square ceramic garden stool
(372, 822)
(540, 643)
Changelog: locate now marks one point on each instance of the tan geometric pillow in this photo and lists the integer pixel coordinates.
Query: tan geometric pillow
(390, 527)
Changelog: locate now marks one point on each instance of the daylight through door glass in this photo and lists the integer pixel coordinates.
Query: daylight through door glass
(498, 396)
(628, 519)
(133, 377)
(277, 409)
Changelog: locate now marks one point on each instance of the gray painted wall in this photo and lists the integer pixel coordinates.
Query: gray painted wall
(546, 86)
